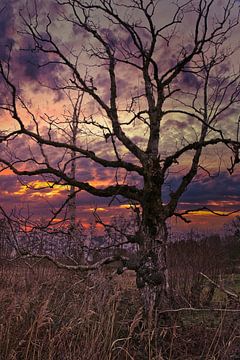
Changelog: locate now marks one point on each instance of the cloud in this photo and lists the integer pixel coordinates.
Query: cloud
(26, 61)
(219, 192)
(35, 67)
(189, 80)
(6, 29)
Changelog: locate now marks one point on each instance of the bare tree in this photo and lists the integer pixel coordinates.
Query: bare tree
(72, 125)
(142, 77)
(72, 117)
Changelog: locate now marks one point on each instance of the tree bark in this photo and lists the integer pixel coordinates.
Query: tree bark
(152, 274)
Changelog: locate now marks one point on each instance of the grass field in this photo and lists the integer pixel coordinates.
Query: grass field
(59, 315)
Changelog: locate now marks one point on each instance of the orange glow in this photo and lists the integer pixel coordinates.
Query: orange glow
(127, 206)
(50, 188)
(87, 225)
(6, 172)
(208, 213)
(97, 209)
(200, 213)
(97, 183)
(56, 220)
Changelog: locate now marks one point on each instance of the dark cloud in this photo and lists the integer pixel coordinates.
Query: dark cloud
(26, 60)
(36, 66)
(9, 183)
(6, 29)
(190, 80)
(110, 36)
(29, 62)
(222, 190)
(177, 124)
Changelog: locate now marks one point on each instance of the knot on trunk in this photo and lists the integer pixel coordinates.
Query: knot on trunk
(131, 264)
(149, 272)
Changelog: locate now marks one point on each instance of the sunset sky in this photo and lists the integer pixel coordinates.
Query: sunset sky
(214, 188)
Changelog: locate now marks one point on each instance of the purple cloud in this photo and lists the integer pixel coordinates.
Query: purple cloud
(6, 29)
(220, 191)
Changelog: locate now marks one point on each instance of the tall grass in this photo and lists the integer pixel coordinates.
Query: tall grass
(48, 314)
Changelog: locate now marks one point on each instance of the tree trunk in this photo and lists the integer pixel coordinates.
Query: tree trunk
(152, 274)
(152, 282)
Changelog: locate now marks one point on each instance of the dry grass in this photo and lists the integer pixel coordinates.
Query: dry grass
(47, 314)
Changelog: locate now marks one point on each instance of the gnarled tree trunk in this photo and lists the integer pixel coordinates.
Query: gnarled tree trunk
(152, 274)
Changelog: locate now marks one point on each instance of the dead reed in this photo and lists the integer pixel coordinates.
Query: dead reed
(48, 314)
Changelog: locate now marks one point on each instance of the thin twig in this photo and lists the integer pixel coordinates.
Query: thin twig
(220, 287)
